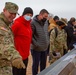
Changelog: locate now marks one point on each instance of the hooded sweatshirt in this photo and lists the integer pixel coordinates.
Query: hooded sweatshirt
(22, 36)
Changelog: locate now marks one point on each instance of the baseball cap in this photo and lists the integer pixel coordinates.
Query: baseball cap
(11, 7)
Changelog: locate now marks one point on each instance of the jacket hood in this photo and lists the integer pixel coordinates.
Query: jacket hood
(2, 16)
(52, 21)
(70, 24)
(36, 19)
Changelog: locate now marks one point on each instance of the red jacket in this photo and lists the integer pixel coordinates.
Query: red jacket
(22, 36)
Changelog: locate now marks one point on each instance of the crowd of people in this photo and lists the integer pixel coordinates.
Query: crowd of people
(43, 35)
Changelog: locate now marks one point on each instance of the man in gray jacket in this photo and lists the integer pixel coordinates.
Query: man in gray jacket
(40, 41)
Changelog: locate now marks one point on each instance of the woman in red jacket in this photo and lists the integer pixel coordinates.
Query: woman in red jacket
(22, 31)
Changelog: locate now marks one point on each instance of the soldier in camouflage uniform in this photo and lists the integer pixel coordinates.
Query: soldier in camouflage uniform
(8, 55)
(58, 44)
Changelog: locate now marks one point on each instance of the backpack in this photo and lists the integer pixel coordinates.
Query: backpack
(56, 32)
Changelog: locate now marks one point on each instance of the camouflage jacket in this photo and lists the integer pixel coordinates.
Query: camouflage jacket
(7, 49)
(58, 43)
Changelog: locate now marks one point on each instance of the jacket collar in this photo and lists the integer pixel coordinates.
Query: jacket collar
(22, 20)
(2, 16)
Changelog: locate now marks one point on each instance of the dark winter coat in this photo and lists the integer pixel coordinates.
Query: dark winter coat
(40, 40)
(22, 36)
(70, 36)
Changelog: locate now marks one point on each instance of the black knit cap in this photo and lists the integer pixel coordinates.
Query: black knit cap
(27, 10)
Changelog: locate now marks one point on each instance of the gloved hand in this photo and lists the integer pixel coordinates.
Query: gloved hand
(55, 55)
(52, 57)
(18, 63)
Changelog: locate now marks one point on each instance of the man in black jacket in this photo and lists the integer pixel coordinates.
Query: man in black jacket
(70, 33)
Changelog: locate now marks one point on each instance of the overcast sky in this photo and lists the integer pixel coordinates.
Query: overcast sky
(62, 8)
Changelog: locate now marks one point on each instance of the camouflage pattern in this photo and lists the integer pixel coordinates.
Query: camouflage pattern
(6, 71)
(7, 49)
(59, 43)
(11, 7)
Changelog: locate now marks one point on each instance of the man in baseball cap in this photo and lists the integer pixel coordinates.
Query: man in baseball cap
(9, 56)
(10, 11)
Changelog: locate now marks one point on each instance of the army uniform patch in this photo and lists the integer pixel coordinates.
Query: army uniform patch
(2, 28)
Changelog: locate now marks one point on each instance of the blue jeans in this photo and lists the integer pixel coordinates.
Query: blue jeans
(39, 58)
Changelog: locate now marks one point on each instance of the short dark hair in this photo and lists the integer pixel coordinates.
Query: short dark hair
(43, 11)
(72, 19)
(56, 18)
